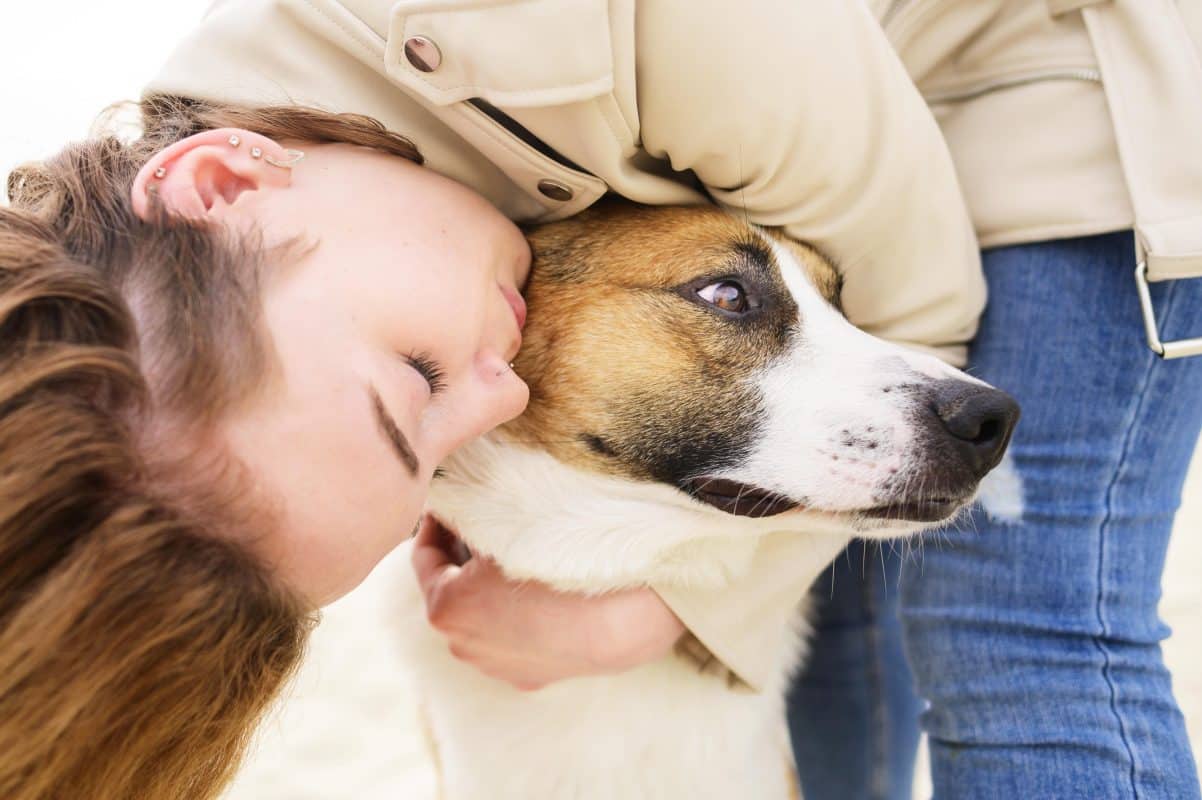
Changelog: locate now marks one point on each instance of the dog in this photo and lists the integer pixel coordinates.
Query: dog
(694, 390)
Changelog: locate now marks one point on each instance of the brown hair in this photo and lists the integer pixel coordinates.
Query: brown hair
(139, 643)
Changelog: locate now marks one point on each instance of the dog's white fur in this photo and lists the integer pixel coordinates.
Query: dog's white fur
(663, 730)
(601, 737)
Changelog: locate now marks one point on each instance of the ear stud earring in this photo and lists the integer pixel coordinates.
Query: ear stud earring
(294, 157)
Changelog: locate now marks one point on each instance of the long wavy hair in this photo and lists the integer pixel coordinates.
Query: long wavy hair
(140, 643)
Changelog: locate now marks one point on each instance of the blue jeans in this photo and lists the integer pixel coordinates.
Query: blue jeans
(852, 712)
(1032, 631)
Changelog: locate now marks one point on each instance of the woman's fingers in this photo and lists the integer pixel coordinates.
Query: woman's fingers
(430, 558)
(462, 591)
(435, 568)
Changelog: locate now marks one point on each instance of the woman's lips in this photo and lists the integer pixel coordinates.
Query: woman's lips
(517, 304)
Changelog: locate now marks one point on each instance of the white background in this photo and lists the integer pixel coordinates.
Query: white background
(347, 730)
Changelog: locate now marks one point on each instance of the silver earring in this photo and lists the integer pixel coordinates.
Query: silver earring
(256, 152)
(160, 172)
(234, 141)
(294, 158)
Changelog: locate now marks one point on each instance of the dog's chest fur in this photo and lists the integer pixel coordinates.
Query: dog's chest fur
(660, 731)
(664, 730)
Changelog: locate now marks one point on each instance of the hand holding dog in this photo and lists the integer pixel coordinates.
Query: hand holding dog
(528, 634)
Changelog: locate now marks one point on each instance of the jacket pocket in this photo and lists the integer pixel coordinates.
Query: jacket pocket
(509, 54)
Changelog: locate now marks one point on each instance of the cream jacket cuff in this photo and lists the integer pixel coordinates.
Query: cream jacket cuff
(748, 625)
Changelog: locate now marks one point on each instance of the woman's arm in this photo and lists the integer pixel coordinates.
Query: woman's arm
(800, 115)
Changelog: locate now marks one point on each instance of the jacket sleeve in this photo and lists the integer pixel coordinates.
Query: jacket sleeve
(800, 115)
(737, 632)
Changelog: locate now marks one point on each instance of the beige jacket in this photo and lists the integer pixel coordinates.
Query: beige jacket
(1066, 117)
(798, 114)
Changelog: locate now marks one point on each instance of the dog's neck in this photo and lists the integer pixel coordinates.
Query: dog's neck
(582, 531)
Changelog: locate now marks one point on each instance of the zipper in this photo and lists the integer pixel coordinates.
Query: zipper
(998, 84)
(524, 135)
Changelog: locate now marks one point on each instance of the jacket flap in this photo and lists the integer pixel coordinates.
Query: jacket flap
(514, 53)
(1153, 80)
(1171, 250)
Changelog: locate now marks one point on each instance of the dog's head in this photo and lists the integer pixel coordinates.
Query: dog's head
(685, 347)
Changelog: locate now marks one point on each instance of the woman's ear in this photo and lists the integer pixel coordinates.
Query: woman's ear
(203, 176)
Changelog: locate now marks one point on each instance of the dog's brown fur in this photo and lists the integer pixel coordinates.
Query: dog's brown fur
(592, 303)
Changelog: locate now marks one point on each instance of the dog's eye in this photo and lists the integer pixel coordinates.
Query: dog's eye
(726, 295)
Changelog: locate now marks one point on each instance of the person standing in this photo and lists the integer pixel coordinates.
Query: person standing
(1033, 631)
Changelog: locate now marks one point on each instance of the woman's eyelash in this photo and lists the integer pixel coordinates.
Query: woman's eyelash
(426, 367)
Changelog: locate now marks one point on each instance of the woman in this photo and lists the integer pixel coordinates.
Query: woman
(230, 371)
(211, 427)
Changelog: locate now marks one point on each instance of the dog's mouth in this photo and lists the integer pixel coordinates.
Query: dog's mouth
(930, 509)
(739, 499)
(745, 500)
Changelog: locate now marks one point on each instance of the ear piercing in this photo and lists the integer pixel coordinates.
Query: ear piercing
(294, 157)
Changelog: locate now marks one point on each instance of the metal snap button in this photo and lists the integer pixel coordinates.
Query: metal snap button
(554, 190)
(422, 53)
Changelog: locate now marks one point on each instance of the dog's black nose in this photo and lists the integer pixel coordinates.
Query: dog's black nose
(980, 420)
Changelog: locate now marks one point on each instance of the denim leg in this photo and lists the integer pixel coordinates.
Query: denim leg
(1033, 632)
(853, 715)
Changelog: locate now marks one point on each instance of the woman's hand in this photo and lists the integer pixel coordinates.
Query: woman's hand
(528, 634)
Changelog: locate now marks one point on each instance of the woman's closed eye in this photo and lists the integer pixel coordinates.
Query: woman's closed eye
(428, 369)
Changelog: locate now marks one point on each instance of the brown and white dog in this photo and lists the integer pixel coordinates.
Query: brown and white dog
(694, 390)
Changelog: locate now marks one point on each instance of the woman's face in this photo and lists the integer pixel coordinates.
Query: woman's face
(393, 334)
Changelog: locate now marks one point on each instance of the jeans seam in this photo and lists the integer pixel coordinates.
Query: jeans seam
(879, 767)
(1121, 467)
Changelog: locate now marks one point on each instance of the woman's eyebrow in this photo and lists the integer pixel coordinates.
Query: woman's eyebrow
(392, 433)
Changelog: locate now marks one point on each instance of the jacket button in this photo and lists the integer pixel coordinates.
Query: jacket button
(555, 190)
(422, 53)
